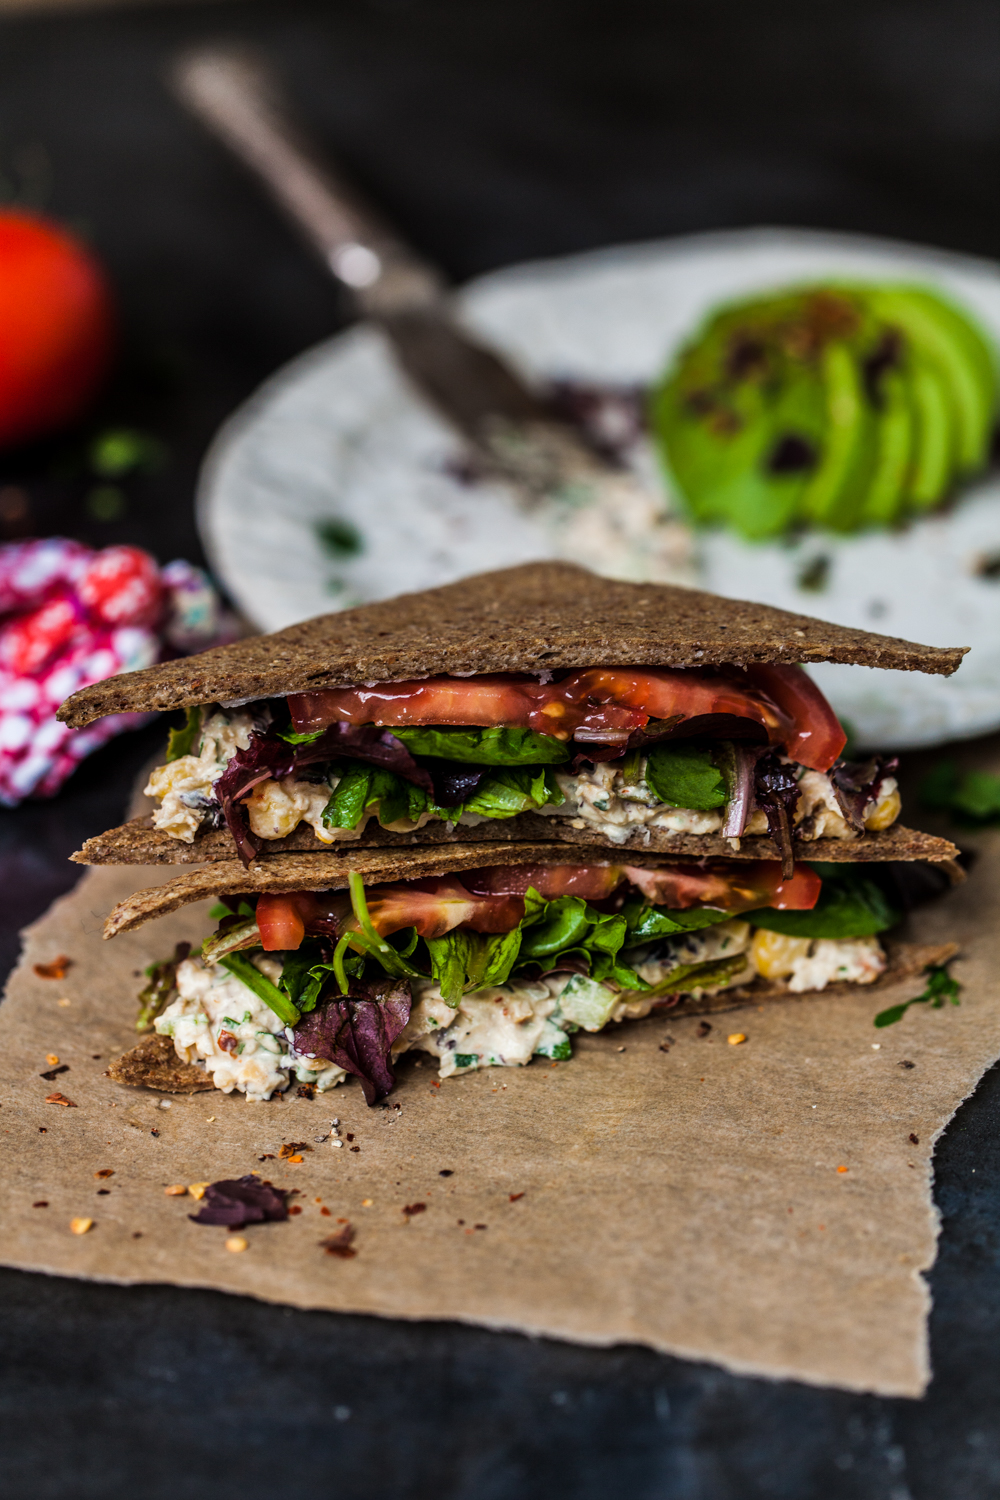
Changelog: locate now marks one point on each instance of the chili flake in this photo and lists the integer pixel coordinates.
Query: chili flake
(54, 970)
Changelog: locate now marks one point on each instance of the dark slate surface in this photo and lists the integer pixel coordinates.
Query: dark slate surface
(493, 131)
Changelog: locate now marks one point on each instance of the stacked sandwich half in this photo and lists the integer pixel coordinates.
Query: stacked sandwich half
(476, 820)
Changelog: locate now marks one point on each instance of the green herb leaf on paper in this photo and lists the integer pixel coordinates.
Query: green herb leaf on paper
(940, 987)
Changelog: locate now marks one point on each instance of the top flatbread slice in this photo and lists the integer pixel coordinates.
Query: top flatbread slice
(534, 618)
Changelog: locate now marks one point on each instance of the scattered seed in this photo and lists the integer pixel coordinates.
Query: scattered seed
(337, 1143)
(414, 1208)
(366, 1203)
(52, 1059)
(176, 1190)
(513, 1197)
(105, 1172)
(236, 1243)
(704, 1027)
(355, 1148)
(197, 1189)
(447, 1172)
(907, 1064)
(42, 1203)
(915, 1139)
(735, 1038)
(60, 1099)
(64, 1002)
(80, 1226)
(325, 1212)
(841, 1169)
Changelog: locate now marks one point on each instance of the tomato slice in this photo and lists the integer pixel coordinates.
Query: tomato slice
(817, 736)
(602, 704)
(280, 921)
(492, 900)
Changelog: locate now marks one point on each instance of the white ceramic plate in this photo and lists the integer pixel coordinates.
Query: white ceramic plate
(338, 436)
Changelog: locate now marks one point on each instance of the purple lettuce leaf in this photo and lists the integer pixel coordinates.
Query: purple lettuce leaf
(264, 757)
(858, 783)
(245, 1200)
(356, 1032)
(777, 792)
(377, 747)
(741, 775)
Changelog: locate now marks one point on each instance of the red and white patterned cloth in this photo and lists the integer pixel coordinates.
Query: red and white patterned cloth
(70, 616)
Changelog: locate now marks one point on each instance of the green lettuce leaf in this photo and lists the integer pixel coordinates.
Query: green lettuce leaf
(304, 974)
(462, 961)
(683, 774)
(496, 746)
(648, 922)
(240, 965)
(501, 794)
(515, 789)
(182, 741)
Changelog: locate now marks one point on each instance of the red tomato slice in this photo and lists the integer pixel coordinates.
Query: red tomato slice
(817, 736)
(280, 921)
(602, 704)
(491, 900)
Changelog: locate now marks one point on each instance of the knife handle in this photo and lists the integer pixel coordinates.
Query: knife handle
(235, 95)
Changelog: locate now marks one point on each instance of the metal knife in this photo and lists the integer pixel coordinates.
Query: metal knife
(593, 512)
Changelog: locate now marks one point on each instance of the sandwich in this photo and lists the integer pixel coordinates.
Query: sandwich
(535, 704)
(323, 965)
(476, 820)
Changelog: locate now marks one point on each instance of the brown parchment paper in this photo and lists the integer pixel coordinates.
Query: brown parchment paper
(688, 1199)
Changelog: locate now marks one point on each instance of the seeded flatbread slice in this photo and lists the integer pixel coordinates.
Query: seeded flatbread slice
(330, 871)
(540, 616)
(139, 843)
(154, 1064)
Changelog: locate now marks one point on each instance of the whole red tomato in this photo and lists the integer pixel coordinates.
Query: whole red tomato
(56, 327)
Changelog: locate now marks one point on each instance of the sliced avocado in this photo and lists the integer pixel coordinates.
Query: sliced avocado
(895, 442)
(835, 494)
(941, 333)
(741, 416)
(936, 434)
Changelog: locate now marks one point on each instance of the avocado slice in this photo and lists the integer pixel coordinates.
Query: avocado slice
(895, 442)
(940, 333)
(835, 494)
(936, 434)
(741, 417)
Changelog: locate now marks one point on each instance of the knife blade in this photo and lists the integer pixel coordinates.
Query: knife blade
(592, 511)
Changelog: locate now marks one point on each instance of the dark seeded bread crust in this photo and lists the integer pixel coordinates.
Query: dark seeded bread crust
(154, 1064)
(527, 619)
(328, 871)
(139, 843)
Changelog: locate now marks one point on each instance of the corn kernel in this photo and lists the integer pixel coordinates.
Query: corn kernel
(773, 954)
(197, 1189)
(885, 813)
(80, 1226)
(236, 1243)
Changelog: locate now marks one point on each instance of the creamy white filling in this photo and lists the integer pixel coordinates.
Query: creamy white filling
(601, 798)
(218, 1021)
